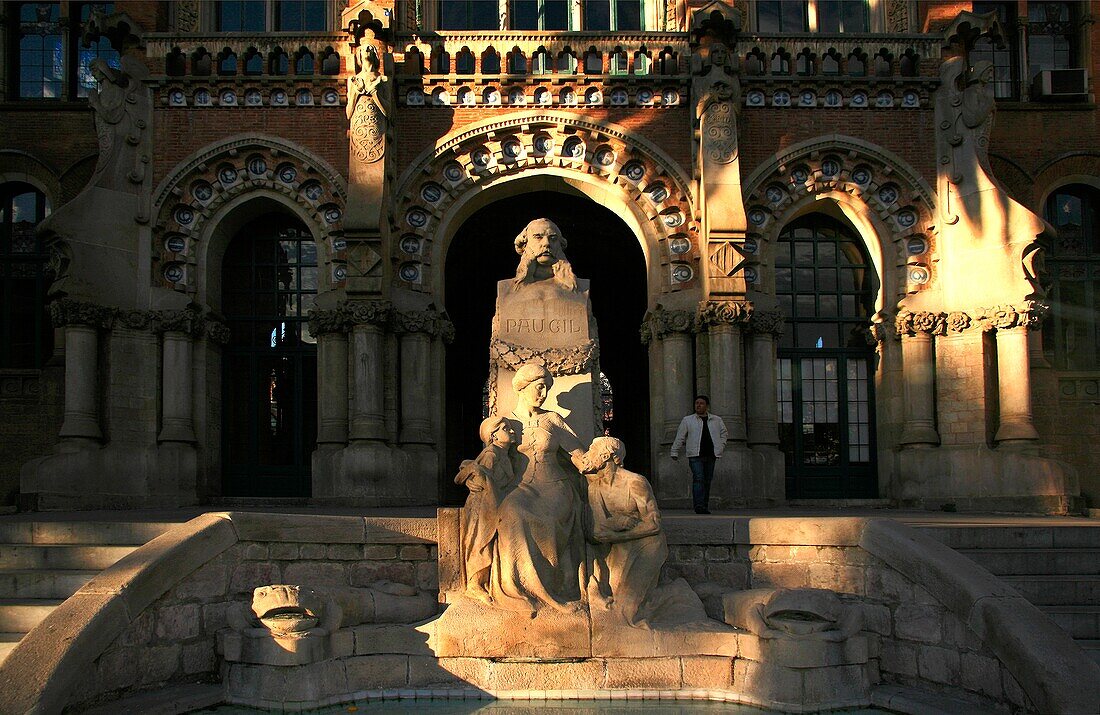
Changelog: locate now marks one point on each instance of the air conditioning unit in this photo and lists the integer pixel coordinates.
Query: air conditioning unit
(1055, 84)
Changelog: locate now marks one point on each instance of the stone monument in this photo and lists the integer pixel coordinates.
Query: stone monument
(544, 316)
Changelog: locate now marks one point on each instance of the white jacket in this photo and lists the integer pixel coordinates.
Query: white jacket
(691, 432)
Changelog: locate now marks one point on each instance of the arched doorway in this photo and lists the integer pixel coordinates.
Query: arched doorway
(269, 281)
(601, 248)
(826, 286)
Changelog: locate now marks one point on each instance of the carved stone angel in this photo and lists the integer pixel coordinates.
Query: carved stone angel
(368, 106)
(123, 113)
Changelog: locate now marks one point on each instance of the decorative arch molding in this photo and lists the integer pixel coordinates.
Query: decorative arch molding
(192, 198)
(442, 179)
(29, 169)
(889, 203)
(1072, 168)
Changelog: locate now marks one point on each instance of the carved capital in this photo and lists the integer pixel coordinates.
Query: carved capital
(909, 323)
(761, 322)
(217, 331)
(368, 312)
(189, 322)
(327, 321)
(67, 311)
(1028, 314)
(661, 321)
(430, 321)
(723, 312)
(134, 319)
(559, 361)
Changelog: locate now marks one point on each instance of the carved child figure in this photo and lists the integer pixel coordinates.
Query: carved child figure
(489, 478)
(623, 519)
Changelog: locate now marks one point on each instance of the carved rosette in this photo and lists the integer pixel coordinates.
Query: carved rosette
(722, 312)
(1028, 314)
(327, 321)
(368, 312)
(661, 322)
(430, 322)
(577, 360)
(765, 322)
(217, 331)
(189, 322)
(67, 311)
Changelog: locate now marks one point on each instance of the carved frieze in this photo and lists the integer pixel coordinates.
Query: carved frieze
(770, 322)
(577, 360)
(217, 331)
(723, 312)
(1002, 317)
(368, 312)
(66, 312)
(189, 322)
(430, 322)
(327, 321)
(661, 322)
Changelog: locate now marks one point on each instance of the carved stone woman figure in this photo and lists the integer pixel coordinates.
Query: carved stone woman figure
(540, 540)
(122, 116)
(368, 102)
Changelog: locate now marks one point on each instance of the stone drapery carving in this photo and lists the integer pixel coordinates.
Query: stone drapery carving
(369, 100)
(123, 110)
(662, 321)
(1003, 317)
(560, 361)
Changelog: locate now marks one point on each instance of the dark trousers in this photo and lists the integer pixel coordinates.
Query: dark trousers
(702, 472)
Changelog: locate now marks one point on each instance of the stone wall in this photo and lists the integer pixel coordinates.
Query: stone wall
(935, 622)
(31, 405)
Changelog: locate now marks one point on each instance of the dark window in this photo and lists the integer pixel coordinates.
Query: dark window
(278, 62)
(781, 16)
(826, 287)
(304, 63)
(41, 58)
(1071, 332)
(468, 15)
(26, 337)
(240, 16)
(1051, 35)
(269, 279)
(539, 15)
(299, 16)
(253, 62)
(1004, 57)
(837, 16)
(613, 15)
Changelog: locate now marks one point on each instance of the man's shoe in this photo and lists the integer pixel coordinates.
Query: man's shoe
(701, 510)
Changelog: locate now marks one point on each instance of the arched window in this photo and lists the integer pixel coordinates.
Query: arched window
(826, 287)
(26, 337)
(1072, 333)
(269, 279)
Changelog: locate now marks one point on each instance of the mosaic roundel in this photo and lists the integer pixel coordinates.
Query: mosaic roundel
(859, 99)
(574, 147)
(177, 98)
(861, 175)
(543, 96)
(605, 157)
(674, 220)
(286, 173)
(417, 218)
(332, 214)
(253, 98)
(679, 245)
(279, 98)
(202, 191)
(227, 175)
(313, 190)
(833, 98)
(670, 97)
(593, 96)
(466, 96)
(431, 192)
(511, 148)
(516, 96)
(303, 97)
(645, 95)
(751, 274)
(544, 144)
(782, 98)
(751, 246)
(453, 172)
(202, 97)
(830, 167)
(228, 98)
(185, 216)
(657, 193)
(888, 194)
(257, 166)
(492, 96)
(340, 273)
(619, 97)
(173, 272)
(634, 171)
(919, 275)
(176, 244)
(800, 174)
(916, 245)
(481, 157)
(757, 217)
(410, 244)
(755, 98)
(682, 273)
(774, 193)
(339, 244)
(330, 97)
(409, 272)
(907, 218)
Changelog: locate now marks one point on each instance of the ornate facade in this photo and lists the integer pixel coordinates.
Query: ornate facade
(242, 242)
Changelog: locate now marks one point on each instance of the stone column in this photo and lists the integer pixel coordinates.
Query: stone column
(416, 329)
(723, 320)
(917, 352)
(763, 413)
(330, 328)
(177, 393)
(81, 322)
(1014, 387)
(368, 419)
(673, 328)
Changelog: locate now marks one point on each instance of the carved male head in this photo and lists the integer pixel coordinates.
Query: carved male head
(541, 248)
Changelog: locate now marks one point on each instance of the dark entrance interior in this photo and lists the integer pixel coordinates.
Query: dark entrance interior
(601, 248)
(826, 286)
(269, 281)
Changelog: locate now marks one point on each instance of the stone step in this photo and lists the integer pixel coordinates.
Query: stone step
(58, 556)
(8, 641)
(1081, 622)
(20, 615)
(43, 583)
(1086, 535)
(1022, 562)
(127, 533)
(1057, 590)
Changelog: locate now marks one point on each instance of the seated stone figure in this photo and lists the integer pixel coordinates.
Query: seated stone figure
(625, 526)
(489, 478)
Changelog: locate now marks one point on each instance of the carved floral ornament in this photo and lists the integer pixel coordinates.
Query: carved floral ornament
(380, 313)
(191, 322)
(897, 196)
(1028, 314)
(529, 143)
(559, 361)
(200, 188)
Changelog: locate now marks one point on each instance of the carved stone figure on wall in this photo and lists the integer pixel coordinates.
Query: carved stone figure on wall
(123, 112)
(540, 538)
(489, 478)
(716, 93)
(369, 94)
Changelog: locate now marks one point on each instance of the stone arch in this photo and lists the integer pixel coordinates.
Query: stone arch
(1074, 168)
(565, 152)
(885, 200)
(191, 202)
(26, 168)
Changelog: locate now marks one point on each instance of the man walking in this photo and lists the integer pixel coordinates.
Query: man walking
(705, 436)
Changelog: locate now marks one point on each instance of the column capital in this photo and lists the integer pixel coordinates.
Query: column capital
(189, 322)
(1026, 314)
(661, 322)
(322, 322)
(766, 322)
(68, 311)
(431, 322)
(722, 312)
(368, 312)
